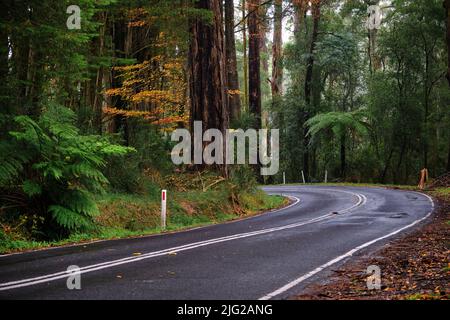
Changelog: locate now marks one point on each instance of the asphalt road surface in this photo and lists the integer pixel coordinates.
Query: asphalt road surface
(272, 256)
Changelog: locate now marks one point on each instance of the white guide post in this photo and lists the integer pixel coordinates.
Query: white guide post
(164, 209)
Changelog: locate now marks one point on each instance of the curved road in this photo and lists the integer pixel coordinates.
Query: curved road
(272, 256)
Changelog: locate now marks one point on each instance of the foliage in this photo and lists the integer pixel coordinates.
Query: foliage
(158, 84)
(373, 122)
(128, 174)
(57, 169)
(338, 123)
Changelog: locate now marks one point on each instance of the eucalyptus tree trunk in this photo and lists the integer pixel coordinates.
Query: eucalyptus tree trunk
(4, 66)
(264, 29)
(300, 7)
(234, 98)
(245, 47)
(207, 74)
(254, 62)
(447, 7)
(277, 69)
(374, 59)
(316, 14)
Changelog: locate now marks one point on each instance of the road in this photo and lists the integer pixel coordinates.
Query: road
(271, 256)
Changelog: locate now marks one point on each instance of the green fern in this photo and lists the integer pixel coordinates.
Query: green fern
(69, 219)
(11, 162)
(337, 122)
(63, 167)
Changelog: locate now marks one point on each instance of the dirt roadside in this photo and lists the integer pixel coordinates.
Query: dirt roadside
(414, 267)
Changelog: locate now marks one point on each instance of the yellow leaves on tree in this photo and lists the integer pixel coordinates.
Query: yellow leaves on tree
(154, 90)
(156, 117)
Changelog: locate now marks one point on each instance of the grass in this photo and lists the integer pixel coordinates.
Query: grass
(127, 216)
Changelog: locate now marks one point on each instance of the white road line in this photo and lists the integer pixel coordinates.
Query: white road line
(64, 274)
(296, 282)
(296, 201)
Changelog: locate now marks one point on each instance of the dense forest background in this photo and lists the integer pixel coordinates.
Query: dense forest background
(91, 109)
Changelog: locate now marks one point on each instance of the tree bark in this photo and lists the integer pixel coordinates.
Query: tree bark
(316, 7)
(343, 155)
(447, 7)
(207, 74)
(263, 30)
(245, 47)
(4, 65)
(277, 47)
(234, 98)
(301, 7)
(254, 62)
(316, 13)
(374, 59)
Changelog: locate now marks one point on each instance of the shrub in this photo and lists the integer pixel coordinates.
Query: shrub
(244, 178)
(126, 174)
(54, 170)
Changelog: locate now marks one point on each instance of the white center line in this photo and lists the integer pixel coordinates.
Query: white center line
(109, 264)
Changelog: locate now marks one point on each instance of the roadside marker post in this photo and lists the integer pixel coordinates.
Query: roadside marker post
(303, 176)
(164, 209)
(326, 176)
(284, 177)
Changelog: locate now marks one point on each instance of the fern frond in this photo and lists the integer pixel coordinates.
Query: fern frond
(69, 219)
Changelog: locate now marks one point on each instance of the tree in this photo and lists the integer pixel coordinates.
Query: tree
(316, 15)
(300, 8)
(374, 59)
(447, 7)
(245, 51)
(255, 104)
(207, 75)
(230, 50)
(277, 69)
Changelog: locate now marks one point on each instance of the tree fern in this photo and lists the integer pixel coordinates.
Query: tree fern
(337, 122)
(11, 162)
(63, 167)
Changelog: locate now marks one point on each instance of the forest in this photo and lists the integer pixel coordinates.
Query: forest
(91, 91)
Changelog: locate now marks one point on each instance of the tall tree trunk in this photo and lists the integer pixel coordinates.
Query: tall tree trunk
(120, 40)
(254, 62)
(386, 167)
(300, 6)
(207, 74)
(4, 66)
(264, 29)
(277, 70)
(374, 59)
(234, 98)
(427, 92)
(316, 14)
(447, 6)
(264, 53)
(343, 155)
(245, 57)
(94, 87)
(375, 63)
